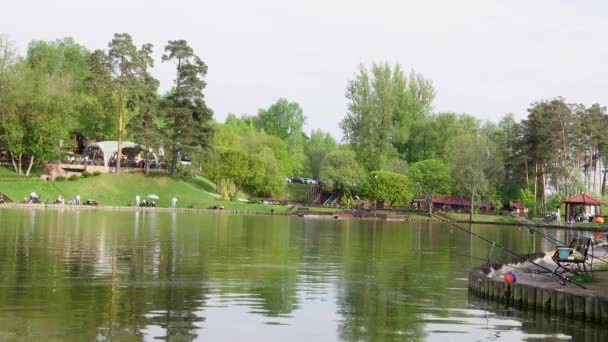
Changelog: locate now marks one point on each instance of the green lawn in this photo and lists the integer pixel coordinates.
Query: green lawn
(7, 171)
(486, 218)
(109, 189)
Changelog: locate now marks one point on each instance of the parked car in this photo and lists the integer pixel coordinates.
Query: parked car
(186, 160)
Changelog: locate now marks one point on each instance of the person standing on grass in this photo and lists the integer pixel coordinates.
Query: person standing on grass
(174, 202)
(77, 199)
(137, 201)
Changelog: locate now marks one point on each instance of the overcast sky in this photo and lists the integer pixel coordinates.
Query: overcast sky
(485, 57)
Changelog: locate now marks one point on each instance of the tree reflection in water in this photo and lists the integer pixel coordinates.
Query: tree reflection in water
(137, 275)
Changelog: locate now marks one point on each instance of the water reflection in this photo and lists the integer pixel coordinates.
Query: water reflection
(145, 275)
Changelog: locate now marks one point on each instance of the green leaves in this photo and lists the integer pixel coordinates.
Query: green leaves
(341, 171)
(259, 172)
(37, 112)
(430, 177)
(185, 110)
(384, 105)
(283, 119)
(389, 187)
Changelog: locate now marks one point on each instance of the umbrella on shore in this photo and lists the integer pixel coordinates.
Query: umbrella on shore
(153, 196)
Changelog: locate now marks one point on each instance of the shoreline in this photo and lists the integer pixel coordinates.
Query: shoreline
(307, 214)
(134, 209)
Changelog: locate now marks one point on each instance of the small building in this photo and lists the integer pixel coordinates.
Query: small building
(486, 207)
(514, 209)
(582, 205)
(459, 204)
(452, 203)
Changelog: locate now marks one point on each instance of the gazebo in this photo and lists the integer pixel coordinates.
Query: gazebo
(592, 205)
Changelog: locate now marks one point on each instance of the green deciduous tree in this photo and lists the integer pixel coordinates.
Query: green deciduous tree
(283, 119)
(388, 187)
(62, 57)
(266, 177)
(475, 165)
(341, 171)
(230, 168)
(430, 177)
(384, 107)
(37, 113)
(317, 147)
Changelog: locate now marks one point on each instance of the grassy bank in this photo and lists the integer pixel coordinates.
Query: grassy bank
(486, 218)
(110, 189)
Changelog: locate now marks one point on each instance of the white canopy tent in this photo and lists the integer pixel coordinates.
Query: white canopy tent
(108, 149)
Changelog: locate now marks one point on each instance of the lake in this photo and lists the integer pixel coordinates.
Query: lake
(101, 275)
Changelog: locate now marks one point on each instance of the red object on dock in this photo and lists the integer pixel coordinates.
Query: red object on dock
(510, 278)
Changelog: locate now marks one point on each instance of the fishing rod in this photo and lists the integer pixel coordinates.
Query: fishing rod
(510, 266)
(494, 243)
(545, 236)
(560, 243)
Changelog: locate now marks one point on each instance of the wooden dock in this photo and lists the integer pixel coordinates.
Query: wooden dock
(543, 294)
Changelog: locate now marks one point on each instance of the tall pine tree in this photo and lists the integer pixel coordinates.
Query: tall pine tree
(187, 114)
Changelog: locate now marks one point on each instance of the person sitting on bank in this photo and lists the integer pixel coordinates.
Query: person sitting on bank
(34, 197)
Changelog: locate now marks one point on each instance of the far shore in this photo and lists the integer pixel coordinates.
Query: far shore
(415, 217)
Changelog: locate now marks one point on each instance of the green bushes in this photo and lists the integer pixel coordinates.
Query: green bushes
(74, 177)
(60, 179)
(389, 187)
(86, 174)
(96, 173)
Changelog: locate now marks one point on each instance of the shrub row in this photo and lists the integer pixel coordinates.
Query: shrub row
(76, 177)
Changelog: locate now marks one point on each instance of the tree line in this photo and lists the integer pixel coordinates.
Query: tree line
(60, 90)
(395, 147)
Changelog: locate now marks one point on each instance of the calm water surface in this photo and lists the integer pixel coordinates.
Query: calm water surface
(69, 275)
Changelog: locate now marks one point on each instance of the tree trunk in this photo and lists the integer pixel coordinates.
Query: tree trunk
(527, 174)
(19, 164)
(594, 176)
(147, 171)
(120, 118)
(176, 118)
(429, 204)
(544, 193)
(174, 163)
(603, 180)
(29, 168)
(535, 184)
(15, 164)
(472, 206)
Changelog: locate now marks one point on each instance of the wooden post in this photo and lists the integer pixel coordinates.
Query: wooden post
(579, 307)
(517, 295)
(560, 303)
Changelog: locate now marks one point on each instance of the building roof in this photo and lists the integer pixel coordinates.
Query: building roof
(583, 199)
(485, 204)
(518, 206)
(452, 200)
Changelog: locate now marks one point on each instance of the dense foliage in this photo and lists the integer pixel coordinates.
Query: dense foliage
(385, 186)
(395, 147)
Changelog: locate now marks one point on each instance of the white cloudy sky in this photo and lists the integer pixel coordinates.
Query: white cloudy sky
(485, 57)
